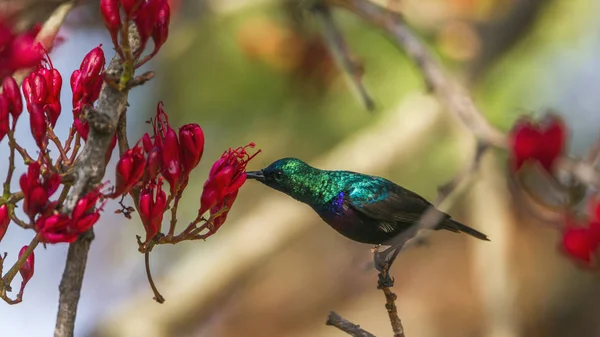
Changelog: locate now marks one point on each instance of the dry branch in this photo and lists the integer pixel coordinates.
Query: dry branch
(346, 326)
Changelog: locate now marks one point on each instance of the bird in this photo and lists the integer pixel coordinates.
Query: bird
(364, 208)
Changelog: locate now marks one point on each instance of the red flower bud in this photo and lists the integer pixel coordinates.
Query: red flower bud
(86, 81)
(10, 90)
(37, 191)
(224, 207)
(37, 122)
(112, 18)
(166, 140)
(542, 142)
(34, 89)
(24, 51)
(51, 92)
(161, 27)
(84, 216)
(130, 170)
(191, 139)
(4, 124)
(92, 64)
(152, 209)
(580, 243)
(147, 142)
(145, 19)
(82, 128)
(26, 269)
(152, 164)
(4, 220)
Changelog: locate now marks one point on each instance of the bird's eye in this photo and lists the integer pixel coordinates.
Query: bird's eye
(278, 174)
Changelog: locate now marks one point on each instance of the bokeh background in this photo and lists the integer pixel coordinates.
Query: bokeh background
(258, 70)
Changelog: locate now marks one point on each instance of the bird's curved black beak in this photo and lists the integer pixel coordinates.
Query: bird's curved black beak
(256, 175)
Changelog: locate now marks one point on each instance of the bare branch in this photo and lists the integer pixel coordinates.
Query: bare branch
(453, 96)
(346, 326)
(339, 49)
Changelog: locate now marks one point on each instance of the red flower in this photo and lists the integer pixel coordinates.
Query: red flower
(26, 269)
(154, 157)
(223, 207)
(86, 81)
(36, 191)
(542, 142)
(130, 170)
(582, 242)
(152, 204)
(226, 177)
(37, 125)
(166, 140)
(4, 124)
(191, 139)
(55, 227)
(12, 95)
(4, 220)
(150, 16)
(18, 51)
(146, 19)
(112, 18)
(161, 27)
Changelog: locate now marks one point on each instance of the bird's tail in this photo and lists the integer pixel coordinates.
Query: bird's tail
(455, 226)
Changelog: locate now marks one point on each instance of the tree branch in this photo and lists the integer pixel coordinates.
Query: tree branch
(448, 91)
(89, 171)
(346, 326)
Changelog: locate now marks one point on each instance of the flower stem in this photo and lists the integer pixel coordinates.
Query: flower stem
(157, 296)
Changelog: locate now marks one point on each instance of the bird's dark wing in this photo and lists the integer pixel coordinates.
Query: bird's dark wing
(394, 207)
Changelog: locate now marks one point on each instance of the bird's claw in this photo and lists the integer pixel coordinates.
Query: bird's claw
(385, 280)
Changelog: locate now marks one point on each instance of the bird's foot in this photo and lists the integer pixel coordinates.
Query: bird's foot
(385, 280)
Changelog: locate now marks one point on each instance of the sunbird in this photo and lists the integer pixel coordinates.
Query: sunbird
(361, 207)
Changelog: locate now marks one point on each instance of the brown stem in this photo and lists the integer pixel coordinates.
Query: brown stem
(157, 296)
(56, 141)
(448, 91)
(339, 49)
(11, 162)
(174, 214)
(346, 326)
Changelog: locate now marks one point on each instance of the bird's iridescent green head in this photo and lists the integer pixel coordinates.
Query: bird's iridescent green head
(291, 176)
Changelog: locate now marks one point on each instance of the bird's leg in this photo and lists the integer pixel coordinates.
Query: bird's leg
(383, 260)
(384, 279)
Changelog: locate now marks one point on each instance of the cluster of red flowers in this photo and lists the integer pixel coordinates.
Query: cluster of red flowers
(166, 155)
(542, 144)
(53, 226)
(151, 17)
(171, 156)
